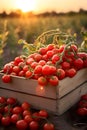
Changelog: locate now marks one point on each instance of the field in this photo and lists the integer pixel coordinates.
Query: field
(30, 28)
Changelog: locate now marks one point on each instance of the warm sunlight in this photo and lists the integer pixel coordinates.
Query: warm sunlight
(26, 5)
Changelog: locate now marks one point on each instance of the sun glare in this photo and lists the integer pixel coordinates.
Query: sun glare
(25, 5)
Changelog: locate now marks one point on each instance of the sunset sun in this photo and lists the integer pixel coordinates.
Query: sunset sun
(25, 5)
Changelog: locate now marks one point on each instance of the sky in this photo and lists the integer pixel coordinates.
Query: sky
(39, 6)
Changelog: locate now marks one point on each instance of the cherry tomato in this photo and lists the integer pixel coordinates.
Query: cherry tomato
(53, 70)
(6, 120)
(50, 54)
(50, 47)
(54, 81)
(29, 61)
(11, 101)
(28, 118)
(28, 74)
(46, 70)
(71, 72)
(6, 78)
(33, 125)
(25, 106)
(26, 112)
(14, 118)
(17, 110)
(43, 113)
(38, 57)
(82, 111)
(42, 62)
(42, 81)
(16, 69)
(65, 65)
(2, 100)
(17, 60)
(7, 68)
(38, 69)
(78, 63)
(60, 74)
(34, 64)
(21, 124)
(43, 50)
(8, 109)
(48, 126)
(55, 58)
(84, 97)
(74, 48)
(21, 73)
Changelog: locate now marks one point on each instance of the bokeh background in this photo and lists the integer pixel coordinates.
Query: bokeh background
(27, 19)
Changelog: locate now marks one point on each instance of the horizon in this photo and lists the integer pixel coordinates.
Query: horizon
(38, 6)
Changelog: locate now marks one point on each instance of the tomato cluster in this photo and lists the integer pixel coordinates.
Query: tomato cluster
(82, 106)
(48, 65)
(22, 116)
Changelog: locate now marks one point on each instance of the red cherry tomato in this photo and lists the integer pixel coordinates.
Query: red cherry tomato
(25, 106)
(21, 124)
(28, 118)
(6, 78)
(54, 81)
(48, 126)
(11, 100)
(14, 118)
(78, 63)
(43, 113)
(42, 81)
(33, 125)
(82, 111)
(6, 120)
(71, 72)
(60, 74)
(17, 110)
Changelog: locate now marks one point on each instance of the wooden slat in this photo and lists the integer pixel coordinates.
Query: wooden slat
(70, 99)
(35, 101)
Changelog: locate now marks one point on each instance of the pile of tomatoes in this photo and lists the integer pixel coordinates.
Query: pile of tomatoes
(48, 65)
(22, 116)
(82, 106)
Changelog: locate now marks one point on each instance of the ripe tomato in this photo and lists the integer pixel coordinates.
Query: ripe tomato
(28, 74)
(6, 78)
(26, 112)
(29, 61)
(38, 69)
(53, 70)
(42, 62)
(48, 126)
(46, 70)
(65, 65)
(49, 54)
(25, 68)
(11, 100)
(7, 68)
(74, 48)
(6, 120)
(7, 109)
(28, 118)
(35, 116)
(60, 74)
(21, 124)
(33, 125)
(71, 72)
(16, 69)
(17, 110)
(25, 106)
(82, 111)
(21, 73)
(78, 63)
(42, 81)
(34, 64)
(38, 57)
(43, 50)
(55, 58)
(17, 60)
(43, 113)
(84, 97)
(50, 47)
(54, 81)
(2, 100)
(14, 118)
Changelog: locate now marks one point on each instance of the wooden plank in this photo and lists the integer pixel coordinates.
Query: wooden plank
(70, 99)
(68, 84)
(29, 86)
(36, 101)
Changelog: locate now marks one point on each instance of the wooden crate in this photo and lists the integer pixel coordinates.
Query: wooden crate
(54, 99)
